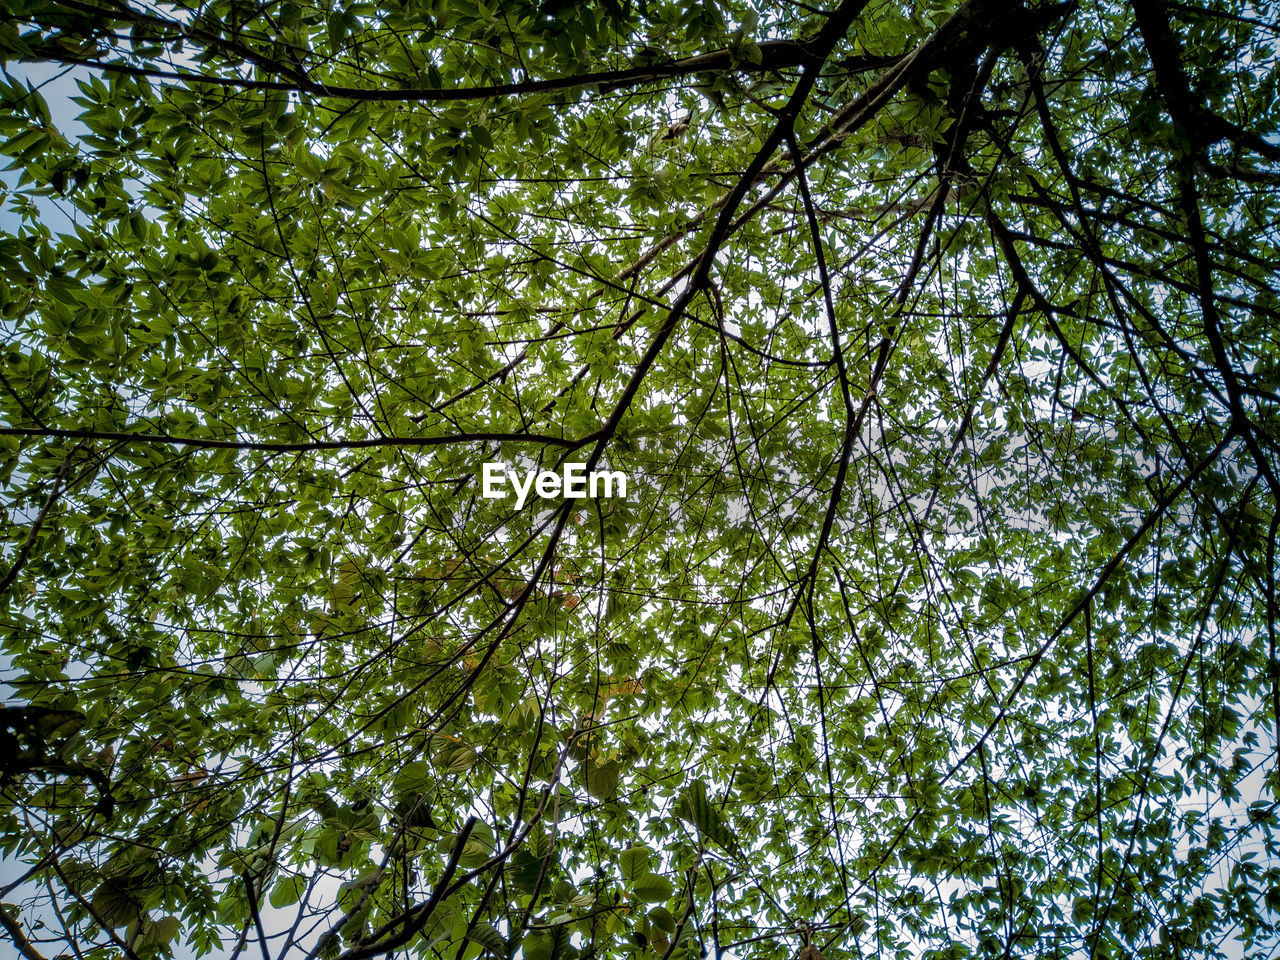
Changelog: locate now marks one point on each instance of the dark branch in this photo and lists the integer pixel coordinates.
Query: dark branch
(306, 446)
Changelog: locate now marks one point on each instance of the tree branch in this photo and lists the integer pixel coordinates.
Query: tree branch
(305, 446)
(25, 947)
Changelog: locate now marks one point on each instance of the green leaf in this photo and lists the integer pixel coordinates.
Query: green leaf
(602, 778)
(663, 919)
(287, 891)
(413, 778)
(488, 937)
(653, 888)
(552, 945)
(636, 862)
(697, 808)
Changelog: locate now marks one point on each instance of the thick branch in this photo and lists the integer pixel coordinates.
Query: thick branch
(1195, 123)
(24, 946)
(775, 55)
(305, 446)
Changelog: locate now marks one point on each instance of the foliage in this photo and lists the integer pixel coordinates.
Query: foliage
(938, 342)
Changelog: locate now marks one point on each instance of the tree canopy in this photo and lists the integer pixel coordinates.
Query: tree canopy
(938, 343)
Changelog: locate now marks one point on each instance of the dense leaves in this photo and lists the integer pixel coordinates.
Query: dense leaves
(938, 343)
